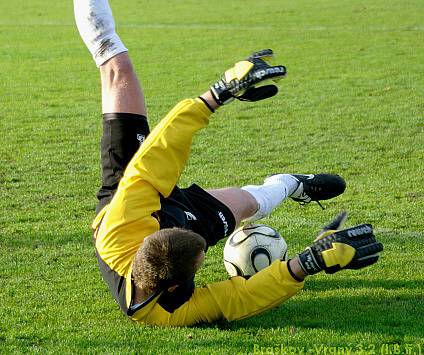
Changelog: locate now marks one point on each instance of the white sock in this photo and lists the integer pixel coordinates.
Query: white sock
(273, 192)
(96, 26)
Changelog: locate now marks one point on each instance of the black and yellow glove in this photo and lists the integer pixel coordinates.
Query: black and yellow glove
(239, 81)
(334, 250)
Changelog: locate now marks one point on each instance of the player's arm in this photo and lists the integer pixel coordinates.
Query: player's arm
(231, 299)
(237, 298)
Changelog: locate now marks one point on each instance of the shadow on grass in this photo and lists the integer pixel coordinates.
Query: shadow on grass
(388, 308)
(328, 284)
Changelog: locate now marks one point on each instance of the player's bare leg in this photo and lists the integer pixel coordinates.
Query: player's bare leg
(241, 203)
(121, 91)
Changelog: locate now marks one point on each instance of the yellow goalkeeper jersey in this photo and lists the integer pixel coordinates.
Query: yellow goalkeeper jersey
(120, 228)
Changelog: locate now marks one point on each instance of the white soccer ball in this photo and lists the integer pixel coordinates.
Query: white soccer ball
(251, 248)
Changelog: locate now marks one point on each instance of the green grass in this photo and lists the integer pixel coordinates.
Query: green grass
(352, 104)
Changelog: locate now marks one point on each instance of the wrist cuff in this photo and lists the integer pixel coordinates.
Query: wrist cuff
(308, 262)
(292, 274)
(206, 103)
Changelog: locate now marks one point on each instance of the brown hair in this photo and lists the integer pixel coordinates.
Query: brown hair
(166, 258)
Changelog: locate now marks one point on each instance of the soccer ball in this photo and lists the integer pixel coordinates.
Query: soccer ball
(251, 248)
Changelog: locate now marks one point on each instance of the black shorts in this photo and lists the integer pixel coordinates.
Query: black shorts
(195, 209)
(191, 208)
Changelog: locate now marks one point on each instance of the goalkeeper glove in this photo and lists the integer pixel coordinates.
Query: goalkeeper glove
(239, 81)
(334, 250)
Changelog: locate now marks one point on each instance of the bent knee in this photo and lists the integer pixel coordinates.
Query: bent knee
(117, 70)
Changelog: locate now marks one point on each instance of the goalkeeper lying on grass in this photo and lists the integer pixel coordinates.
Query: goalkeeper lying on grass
(151, 236)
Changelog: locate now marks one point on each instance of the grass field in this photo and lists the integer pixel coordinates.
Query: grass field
(353, 103)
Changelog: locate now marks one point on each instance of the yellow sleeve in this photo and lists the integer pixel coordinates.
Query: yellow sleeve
(232, 299)
(164, 154)
(153, 171)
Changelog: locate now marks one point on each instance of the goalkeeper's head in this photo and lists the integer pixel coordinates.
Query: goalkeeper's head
(168, 258)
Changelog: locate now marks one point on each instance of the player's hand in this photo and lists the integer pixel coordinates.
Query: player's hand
(334, 250)
(241, 81)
